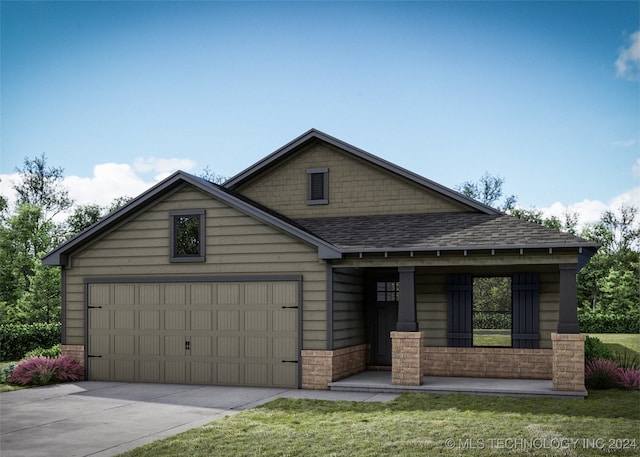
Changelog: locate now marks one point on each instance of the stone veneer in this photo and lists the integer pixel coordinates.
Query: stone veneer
(406, 358)
(477, 362)
(568, 361)
(319, 368)
(75, 351)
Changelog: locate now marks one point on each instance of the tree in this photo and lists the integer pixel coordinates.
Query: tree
(488, 190)
(84, 216)
(41, 185)
(569, 225)
(211, 176)
(609, 283)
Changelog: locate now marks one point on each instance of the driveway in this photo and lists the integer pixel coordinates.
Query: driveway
(102, 419)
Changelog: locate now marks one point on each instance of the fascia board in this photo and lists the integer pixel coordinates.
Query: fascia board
(407, 174)
(59, 255)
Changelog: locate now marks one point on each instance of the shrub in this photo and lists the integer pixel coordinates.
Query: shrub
(488, 320)
(53, 352)
(18, 339)
(629, 378)
(608, 323)
(626, 360)
(594, 348)
(6, 371)
(45, 370)
(601, 374)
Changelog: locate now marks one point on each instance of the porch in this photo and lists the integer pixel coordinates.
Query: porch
(380, 381)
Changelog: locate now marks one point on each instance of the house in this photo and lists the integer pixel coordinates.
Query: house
(318, 262)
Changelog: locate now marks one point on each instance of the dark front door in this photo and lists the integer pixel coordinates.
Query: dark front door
(384, 320)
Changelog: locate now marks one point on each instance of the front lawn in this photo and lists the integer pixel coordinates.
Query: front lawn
(606, 423)
(620, 342)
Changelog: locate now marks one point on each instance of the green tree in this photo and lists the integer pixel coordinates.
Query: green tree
(488, 190)
(41, 185)
(610, 283)
(84, 216)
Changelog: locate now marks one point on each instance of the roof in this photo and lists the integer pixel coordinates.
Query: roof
(336, 236)
(316, 135)
(59, 255)
(437, 231)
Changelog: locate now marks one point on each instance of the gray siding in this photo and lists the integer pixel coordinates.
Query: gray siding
(348, 308)
(431, 298)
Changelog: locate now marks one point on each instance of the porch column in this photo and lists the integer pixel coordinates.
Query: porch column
(407, 316)
(568, 313)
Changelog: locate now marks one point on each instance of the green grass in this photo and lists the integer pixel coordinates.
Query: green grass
(492, 340)
(620, 342)
(606, 423)
(5, 387)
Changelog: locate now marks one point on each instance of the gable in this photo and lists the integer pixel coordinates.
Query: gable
(158, 193)
(356, 187)
(143, 239)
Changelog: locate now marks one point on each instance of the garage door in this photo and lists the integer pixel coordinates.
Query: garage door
(227, 333)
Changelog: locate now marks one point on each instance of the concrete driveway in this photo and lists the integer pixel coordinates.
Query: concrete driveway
(102, 419)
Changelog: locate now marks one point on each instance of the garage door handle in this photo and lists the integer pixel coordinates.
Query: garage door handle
(289, 361)
(94, 356)
(289, 307)
(94, 307)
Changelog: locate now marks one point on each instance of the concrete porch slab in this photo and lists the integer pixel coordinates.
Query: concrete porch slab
(380, 381)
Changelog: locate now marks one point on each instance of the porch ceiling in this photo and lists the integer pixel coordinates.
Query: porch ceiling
(438, 231)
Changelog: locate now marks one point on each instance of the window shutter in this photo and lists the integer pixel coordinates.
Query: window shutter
(460, 308)
(525, 291)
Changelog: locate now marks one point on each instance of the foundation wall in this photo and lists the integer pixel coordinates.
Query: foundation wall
(488, 362)
(319, 368)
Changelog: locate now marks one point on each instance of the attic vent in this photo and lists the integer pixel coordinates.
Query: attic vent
(318, 186)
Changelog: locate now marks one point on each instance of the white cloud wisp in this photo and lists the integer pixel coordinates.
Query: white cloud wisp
(628, 61)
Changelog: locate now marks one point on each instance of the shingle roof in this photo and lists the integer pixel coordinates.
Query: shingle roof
(437, 231)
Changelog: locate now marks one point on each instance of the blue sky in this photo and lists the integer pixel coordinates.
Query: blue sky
(120, 94)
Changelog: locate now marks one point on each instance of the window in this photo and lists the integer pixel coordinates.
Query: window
(492, 311)
(387, 291)
(187, 236)
(318, 186)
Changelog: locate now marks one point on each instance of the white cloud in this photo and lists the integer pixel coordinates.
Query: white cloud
(162, 167)
(624, 143)
(589, 211)
(109, 181)
(628, 61)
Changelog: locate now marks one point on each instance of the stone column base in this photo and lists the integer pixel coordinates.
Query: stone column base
(406, 358)
(568, 361)
(319, 368)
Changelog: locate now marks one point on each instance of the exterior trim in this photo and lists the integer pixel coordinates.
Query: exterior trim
(63, 305)
(59, 256)
(158, 279)
(325, 186)
(314, 134)
(330, 307)
(173, 258)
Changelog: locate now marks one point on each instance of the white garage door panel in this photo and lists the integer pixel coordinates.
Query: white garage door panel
(234, 333)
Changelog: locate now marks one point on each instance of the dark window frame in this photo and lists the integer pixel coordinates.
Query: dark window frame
(312, 198)
(174, 257)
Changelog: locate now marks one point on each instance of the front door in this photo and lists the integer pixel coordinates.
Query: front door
(385, 317)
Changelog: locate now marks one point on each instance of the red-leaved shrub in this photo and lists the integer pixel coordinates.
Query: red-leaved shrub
(629, 378)
(601, 374)
(44, 370)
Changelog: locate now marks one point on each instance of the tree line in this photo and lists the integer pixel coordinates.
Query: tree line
(43, 216)
(610, 282)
